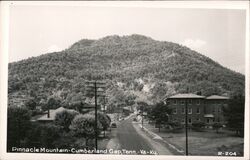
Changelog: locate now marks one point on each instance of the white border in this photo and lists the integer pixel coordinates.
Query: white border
(4, 39)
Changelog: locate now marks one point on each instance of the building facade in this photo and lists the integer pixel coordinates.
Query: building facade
(200, 108)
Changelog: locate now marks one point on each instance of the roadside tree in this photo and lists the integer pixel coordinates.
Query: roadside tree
(160, 113)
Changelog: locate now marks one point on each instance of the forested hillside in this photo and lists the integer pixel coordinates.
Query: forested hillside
(135, 67)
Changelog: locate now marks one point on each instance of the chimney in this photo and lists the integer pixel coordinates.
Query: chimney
(48, 115)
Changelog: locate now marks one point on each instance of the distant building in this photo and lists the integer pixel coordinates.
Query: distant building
(50, 116)
(200, 108)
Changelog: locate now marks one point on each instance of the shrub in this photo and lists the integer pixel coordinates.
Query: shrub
(198, 126)
(217, 126)
(176, 126)
(42, 135)
(17, 127)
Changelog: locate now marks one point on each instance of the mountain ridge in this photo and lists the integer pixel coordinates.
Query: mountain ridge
(124, 59)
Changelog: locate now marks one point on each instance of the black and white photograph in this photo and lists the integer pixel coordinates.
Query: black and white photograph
(122, 78)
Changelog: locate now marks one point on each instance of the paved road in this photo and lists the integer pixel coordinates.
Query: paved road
(129, 139)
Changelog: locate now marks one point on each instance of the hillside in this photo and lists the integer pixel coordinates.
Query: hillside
(135, 66)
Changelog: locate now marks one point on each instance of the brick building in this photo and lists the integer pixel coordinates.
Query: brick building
(200, 108)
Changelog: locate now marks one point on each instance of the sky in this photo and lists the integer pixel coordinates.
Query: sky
(215, 33)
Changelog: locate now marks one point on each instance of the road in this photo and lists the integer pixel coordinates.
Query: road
(129, 138)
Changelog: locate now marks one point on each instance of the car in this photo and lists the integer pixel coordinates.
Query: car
(113, 125)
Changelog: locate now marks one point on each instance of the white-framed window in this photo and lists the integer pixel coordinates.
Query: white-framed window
(213, 109)
(189, 110)
(182, 102)
(183, 120)
(190, 101)
(198, 102)
(189, 120)
(183, 110)
(198, 110)
(214, 102)
(219, 110)
(175, 111)
(175, 102)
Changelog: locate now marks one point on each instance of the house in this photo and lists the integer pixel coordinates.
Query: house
(200, 108)
(50, 115)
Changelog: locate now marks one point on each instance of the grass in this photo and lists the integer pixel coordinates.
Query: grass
(207, 143)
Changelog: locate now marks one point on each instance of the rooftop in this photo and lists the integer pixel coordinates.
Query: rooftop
(52, 113)
(186, 95)
(217, 97)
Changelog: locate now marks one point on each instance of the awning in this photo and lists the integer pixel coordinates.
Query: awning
(209, 116)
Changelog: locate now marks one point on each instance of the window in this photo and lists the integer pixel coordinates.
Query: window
(198, 111)
(182, 102)
(175, 102)
(175, 111)
(214, 102)
(190, 101)
(189, 120)
(218, 119)
(198, 119)
(207, 120)
(182, 120)
(213, 109)
(219, 110)
(183, 110)
(198, 102)
(189, 110)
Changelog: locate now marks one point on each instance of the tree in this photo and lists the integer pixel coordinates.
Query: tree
(234, 114)
(64, 119)
(217, 126)
(160, 113)
(84, 126)
(52, 103)
(18, 124)
(103, 119)
(31, 104)
(198, 126)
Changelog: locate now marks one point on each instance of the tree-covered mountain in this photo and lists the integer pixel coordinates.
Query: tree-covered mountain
(135, 67)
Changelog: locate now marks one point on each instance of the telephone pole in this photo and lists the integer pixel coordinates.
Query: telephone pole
(186, 126)
(96, 89)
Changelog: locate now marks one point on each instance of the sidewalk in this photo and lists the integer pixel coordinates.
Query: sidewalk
(151, 132)
(153, 140)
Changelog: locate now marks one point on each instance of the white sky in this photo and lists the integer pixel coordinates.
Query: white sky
(218, 34)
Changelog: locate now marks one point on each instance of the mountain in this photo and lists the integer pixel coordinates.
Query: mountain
(135, 66)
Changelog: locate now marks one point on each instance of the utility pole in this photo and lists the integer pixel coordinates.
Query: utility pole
(142, 117)
(186, 125)
(95, 89)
